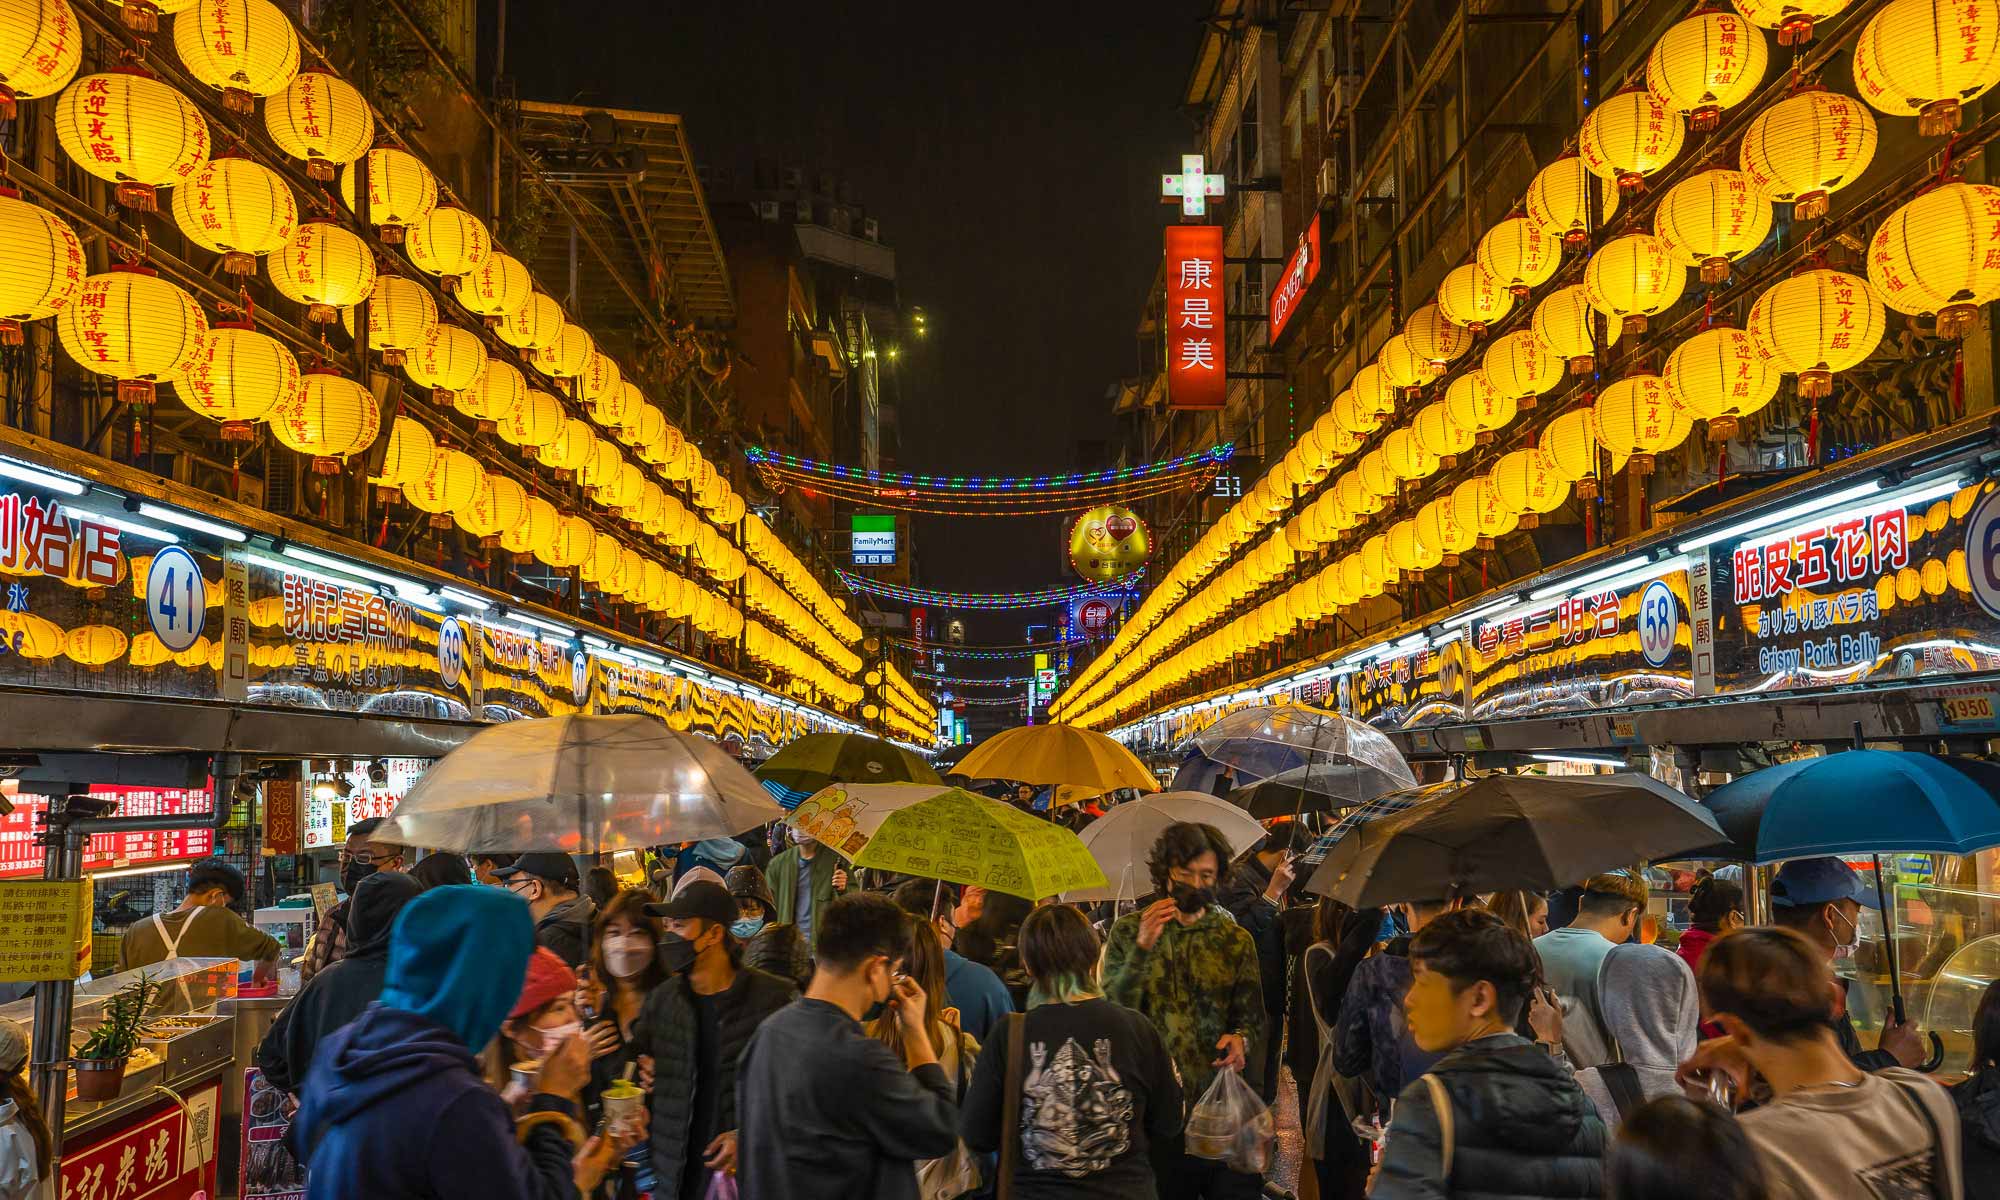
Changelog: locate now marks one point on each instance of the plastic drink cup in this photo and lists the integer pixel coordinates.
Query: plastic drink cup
(623, 1101)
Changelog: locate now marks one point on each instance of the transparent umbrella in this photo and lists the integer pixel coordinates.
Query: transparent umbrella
(1122, 839)
(581, 785)
(1266, 739)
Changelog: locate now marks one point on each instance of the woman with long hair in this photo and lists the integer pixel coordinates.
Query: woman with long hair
(1978, 1097)
(925, 966)
(1715, 907)
(26, 1148)
(1342, 937)
(1526, 913)
(1083, 1057)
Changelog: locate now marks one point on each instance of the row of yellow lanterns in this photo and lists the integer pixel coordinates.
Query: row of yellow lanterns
(771, 553)
(1928, 258)
(766, 597)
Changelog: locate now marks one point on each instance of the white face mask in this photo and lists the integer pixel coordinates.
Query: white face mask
(553, 1036)
(626, 957)
(1849, 948)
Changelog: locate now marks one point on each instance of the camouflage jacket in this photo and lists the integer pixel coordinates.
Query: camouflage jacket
(1197, 983)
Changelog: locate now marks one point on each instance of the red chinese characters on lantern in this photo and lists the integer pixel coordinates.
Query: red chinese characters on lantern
(1196, 321)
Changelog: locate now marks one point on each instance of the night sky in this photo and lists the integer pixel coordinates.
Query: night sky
(1012, 155)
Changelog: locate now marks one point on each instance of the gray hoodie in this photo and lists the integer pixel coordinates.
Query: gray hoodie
(1651, 1008)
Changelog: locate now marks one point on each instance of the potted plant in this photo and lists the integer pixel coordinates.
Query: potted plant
(100, 1064)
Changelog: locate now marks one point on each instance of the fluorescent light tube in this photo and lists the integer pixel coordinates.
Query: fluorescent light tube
(190, 521)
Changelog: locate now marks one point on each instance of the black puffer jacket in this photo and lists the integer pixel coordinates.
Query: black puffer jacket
(1978, 1101)
(666, 1029)
(1522, 1130)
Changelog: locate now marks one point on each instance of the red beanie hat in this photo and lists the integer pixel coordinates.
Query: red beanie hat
(548, 977)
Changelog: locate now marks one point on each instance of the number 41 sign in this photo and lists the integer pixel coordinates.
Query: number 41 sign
(176, 598)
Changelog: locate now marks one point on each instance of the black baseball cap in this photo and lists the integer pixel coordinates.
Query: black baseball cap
(542, 864)
(709, 901)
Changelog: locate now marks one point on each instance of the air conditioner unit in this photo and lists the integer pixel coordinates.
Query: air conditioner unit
(1339, 98)
(1328, 181)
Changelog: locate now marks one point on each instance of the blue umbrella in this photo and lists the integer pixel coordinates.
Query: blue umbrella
(1859, 802)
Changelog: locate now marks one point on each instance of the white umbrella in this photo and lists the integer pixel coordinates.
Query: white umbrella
(581, 785)
(1122, 839)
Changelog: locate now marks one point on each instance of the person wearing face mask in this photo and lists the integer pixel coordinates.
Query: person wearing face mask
(360, 856)
(1192, 971)
(804, 880)
(690, 1034)
(827, 1112)
(1822, 898)
(338, 994)
(768, 943)
(548, 882)
(543, 1017)
(202, 926)
(624, 969)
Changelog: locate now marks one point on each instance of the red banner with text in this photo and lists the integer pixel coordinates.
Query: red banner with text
(1196, 354)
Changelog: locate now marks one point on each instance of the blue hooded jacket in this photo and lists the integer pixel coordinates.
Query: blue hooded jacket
(395, 1105)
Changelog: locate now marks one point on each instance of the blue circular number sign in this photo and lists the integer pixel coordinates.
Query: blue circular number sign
(1659, 623)
(176, 598)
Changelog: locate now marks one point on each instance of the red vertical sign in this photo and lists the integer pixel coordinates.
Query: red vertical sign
(1195, 320)
(918, 626)
(281, 816)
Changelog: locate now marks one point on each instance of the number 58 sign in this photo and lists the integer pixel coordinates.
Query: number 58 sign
(176, 598)
(1982, 552)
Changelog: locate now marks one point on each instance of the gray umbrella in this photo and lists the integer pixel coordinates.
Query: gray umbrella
(1511, 832)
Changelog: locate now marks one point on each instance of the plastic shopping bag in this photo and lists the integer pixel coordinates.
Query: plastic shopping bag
(721, 1186)
(1232, 1125)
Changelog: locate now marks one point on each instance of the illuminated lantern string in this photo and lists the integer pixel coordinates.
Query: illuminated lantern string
(1808, 146)
(1940, 253)
(332, 418)
(1373, 392)
(1566, 323)
(1379, 573)
(1527, 486)
(1355, 496)
(1711, 61)
(1712, 219)
(1475, 404)
(571, 448)
(1377, 476)
(537, 527)
(401, 318)
(1925, 59)
(1441, 435)
(448, 362)
(243, 48)
(129, 128)
(569, 545)
(599, 384)
(133, 326)
(1793, 19)
(1408, 458)
(1816, 323)
(498, 394)
(500, 505)
(410, 451)
(1439, 528)
(534, 325)
(238, 376)
(320, 119)
(1518, 366)
(451, 483)
(1473, 298)
(1719, 377)
(1349, 415)
(1633, 277)
(1568, 446)
(1635, 417)
(498, 287)
(325, 268)
(43, 268)
(449, 243)
(1435, 338)
(1558, 200)
(401, 191)
(1401, 365)
(649, 438)
(1629, 136)
(237, 208)
(41, 49)
(565, 357)
(1518, 255)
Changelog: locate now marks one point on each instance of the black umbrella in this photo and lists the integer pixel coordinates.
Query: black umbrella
(1316, 787)
(1509, 833)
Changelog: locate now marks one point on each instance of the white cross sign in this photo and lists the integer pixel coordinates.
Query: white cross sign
(1191, 186)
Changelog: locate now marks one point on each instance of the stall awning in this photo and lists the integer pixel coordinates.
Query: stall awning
(44, 721)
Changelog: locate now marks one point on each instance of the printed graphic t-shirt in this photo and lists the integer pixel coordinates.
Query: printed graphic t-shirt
(1869, 1142)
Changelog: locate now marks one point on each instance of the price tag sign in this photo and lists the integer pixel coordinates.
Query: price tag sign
(1969, 710)
(44, 930)
(176, 599)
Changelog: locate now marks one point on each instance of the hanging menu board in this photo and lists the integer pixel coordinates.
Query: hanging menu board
(21, 858)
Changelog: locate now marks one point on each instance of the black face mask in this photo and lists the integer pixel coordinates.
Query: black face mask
(874, 1011)
(354, 872)
(1190, 900)
(677, 954)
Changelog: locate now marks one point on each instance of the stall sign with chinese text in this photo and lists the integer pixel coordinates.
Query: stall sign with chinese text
(155, 1158)
(1598, 647)
(1195, 318)
(21, 858)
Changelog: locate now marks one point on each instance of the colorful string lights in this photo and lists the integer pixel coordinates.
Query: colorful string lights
(988, 495)
(987, 601)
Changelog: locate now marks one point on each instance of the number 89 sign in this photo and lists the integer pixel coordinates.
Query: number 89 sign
(176, 598)
(1659, 623)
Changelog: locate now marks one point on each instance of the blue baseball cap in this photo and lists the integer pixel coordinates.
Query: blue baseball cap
(1803, 882)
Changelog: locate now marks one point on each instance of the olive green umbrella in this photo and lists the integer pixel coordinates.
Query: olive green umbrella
(807, 764)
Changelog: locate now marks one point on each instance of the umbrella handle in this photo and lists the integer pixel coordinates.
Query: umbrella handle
(1936, 1059)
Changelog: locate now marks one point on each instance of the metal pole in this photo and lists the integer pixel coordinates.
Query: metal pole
(62, 860)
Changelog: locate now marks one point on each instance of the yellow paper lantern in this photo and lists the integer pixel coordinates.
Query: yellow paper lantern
(94, 646)
(41, 48)
(1441, 532)
(538, 421)
(565, 357)
(321, 119)
(1816, 323)
(1401, 365)
(1940, 253)
(1408, 458)
(1440, 435)
(599, 385)
(1349, 415)
(499, 506)
(602, 561)
(1376, 568)
(496, 395)
(1476, 405)
(1558, 200)
(410, 452)
(1373, 391)
(449, 243)
(1568, 447)
(534, 325)
(325, 268)
(401, 191)
(450, 484)
(1406, 550)
(1435, 338)
(1526, 485)
(43, 268)
(646, 431)
(1636, 418)
(1518, 255)
(401, 318)
(1477, 506)
(243, 48)
(1712, 219)
(536, 527)
(332, 418)
(1633, 277)
(1807, 146)
(1567, 324)
(1924, 59)
(569, 545)
(1355, 580)
(133, 326)
(449, 362)
(571, 448)
(1518, 366)
(498, 287)
(1473, 298)
(238, 376)
(1711, 61)
(237, 208)
(1355, 496)
(129, 128)
(599, 470)
(1719, 377)
(1376, 475)
(1793, 19)
(1628, 136)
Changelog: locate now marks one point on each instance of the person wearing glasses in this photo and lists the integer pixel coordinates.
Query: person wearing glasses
(361, 855)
